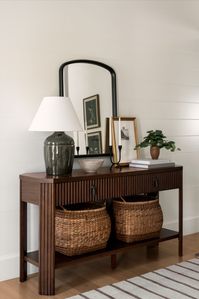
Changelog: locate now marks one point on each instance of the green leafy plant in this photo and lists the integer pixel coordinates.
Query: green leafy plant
(157, 138)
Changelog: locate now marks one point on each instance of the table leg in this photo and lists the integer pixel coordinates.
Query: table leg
(47, 241)
(113, 261)
(180, 240)
(153, 249)
(23, 240)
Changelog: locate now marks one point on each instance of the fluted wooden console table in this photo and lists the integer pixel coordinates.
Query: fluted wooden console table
(49, 192)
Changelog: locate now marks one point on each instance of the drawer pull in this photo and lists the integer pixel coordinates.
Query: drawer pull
(94, 191)
(156, 183)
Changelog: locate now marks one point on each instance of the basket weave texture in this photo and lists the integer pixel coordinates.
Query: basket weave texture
(81, 231)
(136, 221)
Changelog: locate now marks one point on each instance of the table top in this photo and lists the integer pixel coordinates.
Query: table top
(102, 172)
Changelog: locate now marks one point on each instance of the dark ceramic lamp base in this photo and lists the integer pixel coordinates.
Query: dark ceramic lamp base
(59, 154)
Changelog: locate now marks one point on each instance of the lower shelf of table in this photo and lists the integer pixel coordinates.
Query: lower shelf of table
(114, 247)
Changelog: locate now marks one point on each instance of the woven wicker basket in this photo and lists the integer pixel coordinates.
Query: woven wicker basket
(137, 220)
(81, 231)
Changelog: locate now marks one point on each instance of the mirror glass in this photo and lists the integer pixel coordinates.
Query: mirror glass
(91, 87)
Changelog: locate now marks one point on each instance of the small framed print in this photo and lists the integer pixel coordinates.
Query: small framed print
(95, 143)
(125, 134)
(91, 108)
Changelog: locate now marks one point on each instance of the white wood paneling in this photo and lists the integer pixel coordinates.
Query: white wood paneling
(169, 110)
(173, 127)
(188, 144)
(150, 90)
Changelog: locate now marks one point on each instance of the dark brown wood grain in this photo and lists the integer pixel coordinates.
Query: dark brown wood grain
(23, 237)
(79, 174)
(49, 192)
(112, 249)
(30, 192)
(47, 240)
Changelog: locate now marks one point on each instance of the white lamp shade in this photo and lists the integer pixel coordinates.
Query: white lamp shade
(56, 114)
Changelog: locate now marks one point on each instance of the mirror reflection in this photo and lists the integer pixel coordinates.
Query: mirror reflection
(90, 88)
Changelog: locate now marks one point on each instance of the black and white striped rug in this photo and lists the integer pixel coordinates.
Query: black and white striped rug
(176, 281)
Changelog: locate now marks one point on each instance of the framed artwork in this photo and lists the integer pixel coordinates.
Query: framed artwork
(95, 142)
(91, 109)
(125, 134)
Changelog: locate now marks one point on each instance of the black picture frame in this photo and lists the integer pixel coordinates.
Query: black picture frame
(91, 109)
(95, 143)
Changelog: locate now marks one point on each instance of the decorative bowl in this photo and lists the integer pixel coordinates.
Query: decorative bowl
(90, 165)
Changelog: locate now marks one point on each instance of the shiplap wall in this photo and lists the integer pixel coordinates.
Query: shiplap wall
(153, 47)
(164, 93)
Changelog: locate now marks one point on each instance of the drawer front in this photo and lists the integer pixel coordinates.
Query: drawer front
(154, 182)
(89, 190)
(115, 186)
(74, 192)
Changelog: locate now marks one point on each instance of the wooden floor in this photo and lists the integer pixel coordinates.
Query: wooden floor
(89, 275)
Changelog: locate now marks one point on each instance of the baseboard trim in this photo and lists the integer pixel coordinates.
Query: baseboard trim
(9, 267)
(190, 225)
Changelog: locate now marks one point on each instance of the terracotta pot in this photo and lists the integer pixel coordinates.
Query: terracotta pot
(155, 152)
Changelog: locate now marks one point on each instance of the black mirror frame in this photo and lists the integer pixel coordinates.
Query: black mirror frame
(113, 85)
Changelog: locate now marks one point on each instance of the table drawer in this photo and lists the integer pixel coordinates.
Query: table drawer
(89, 190)
(153, 182)
(107, 187)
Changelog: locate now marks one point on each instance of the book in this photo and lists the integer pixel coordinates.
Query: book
(150, 161)
(152, 166)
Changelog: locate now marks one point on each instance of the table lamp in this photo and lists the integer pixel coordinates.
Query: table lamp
(57, 114)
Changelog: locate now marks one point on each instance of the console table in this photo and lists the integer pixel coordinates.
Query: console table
(49, 192)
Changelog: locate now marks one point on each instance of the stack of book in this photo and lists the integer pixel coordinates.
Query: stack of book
(149, 163)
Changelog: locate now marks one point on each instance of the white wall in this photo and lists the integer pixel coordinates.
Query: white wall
(153, 47)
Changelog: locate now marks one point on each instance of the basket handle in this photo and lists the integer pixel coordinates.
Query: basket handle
(122, 198)
(62, 207)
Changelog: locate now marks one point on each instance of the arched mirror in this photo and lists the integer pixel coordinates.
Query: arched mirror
(91, 85)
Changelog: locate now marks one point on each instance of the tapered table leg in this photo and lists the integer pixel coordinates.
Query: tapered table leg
(23, 240)
(153, 249)
(113, 261)
(180, 240)
(47, 241)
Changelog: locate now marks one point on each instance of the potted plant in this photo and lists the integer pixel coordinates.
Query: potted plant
(156, 140)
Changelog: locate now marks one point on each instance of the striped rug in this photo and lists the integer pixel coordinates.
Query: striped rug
(176, 281)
